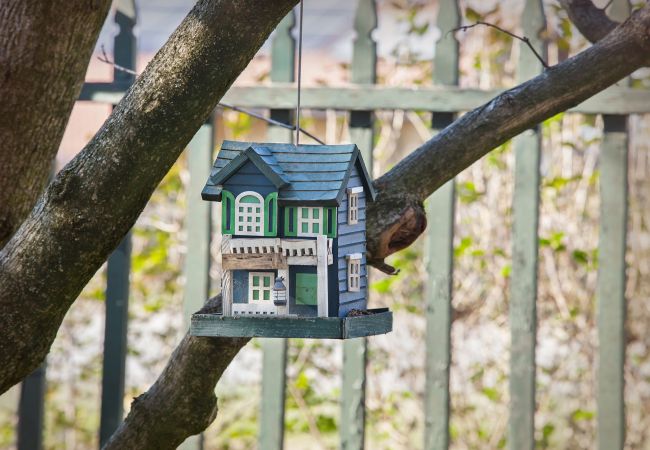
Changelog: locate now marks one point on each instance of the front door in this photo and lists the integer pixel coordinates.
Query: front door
(304, 300)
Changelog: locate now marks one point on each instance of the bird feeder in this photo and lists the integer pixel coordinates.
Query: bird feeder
(293, 242)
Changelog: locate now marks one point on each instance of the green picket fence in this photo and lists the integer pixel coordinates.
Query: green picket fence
(361, 101)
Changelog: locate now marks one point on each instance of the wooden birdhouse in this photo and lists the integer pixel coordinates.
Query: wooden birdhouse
(293, 246)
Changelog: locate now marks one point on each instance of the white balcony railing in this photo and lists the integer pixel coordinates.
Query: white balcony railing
(281, 246)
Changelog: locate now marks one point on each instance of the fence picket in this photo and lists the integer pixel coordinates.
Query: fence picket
(611, 284)
(119, 262)
(274, 361)
(198, 222)
(439, 253)
(114, 362)
(198, 225)
(353, 376)
(523, 289)
(31, 410)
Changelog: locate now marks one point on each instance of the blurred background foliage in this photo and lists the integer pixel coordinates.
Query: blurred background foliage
(568, 240)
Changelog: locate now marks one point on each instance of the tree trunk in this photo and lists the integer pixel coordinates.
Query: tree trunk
(45, 47)
(97, 197)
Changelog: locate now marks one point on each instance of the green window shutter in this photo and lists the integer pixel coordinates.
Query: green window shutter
(271, 214)
(329, 227)
(227, 212)
(290, 221)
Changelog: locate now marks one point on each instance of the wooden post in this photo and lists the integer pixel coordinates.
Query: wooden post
(115, 346)
(284, 273)
(610, 292)
(523, 311)
(198, 222)
(363, 71)
(119, 262)
(31, 411)
(321, 270)
(198, 226)
(439, 253)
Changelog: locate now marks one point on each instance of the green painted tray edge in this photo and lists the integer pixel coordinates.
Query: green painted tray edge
(216, 325)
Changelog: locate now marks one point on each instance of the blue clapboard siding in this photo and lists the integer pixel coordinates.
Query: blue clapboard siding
(351, 239)
(249, 178)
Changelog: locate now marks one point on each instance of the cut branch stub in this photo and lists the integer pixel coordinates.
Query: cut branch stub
(392, 228)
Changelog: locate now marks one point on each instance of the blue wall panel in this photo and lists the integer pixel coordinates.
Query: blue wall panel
(351, 239)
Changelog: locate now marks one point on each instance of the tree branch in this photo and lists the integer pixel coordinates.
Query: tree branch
(45, 75)
(397, 218)
(97, 197)
(591, 21)
(182, 401)
(523, 39)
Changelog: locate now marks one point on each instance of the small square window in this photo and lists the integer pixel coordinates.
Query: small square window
(260, 286)
(250, 209)
(353, 208)
(354, 272)
(309, 221)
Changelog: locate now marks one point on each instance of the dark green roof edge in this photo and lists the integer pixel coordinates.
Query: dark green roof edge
(357, 159)
(211, 192)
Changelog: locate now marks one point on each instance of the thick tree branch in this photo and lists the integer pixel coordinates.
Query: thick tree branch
(590, 20)
(40, 80)
(182, 401)
(97, 197)
(397, 218)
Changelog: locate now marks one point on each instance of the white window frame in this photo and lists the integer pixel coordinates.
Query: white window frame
(261, 288)
(354, 272)
(241, 217)
(310, 221)
(353, 205)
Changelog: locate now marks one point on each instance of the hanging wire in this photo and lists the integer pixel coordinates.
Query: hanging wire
(104, 58)
(299, 75)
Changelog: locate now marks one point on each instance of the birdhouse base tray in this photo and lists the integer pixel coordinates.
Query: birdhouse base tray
(376, 321)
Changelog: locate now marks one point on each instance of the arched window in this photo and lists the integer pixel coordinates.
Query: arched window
(249, 214)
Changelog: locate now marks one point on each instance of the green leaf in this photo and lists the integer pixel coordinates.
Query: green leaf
(491, 393)
(581, 414)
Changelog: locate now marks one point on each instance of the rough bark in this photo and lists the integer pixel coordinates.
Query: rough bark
(97, 197)
(182, 401)
(591, 21)
(473, 135)
(40, 79)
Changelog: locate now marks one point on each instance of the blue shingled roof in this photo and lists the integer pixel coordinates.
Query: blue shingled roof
(303, 174)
